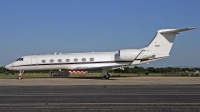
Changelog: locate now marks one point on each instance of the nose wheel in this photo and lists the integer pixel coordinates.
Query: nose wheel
(20, 75)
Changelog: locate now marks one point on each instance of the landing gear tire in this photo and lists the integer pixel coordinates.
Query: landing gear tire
(51, 74)
(107, 76)
(20, 75)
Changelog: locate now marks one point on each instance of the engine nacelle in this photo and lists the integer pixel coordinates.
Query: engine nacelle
(148, 54)
(132, 54)
(128, 54)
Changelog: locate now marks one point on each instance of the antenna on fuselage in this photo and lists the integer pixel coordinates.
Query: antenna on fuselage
(55, 53)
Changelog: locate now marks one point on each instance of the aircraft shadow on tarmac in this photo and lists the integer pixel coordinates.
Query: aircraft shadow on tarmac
(97, 78)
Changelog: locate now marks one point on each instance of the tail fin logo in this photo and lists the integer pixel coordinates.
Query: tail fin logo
(157, 45)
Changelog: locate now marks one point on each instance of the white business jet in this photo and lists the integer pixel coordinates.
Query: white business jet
(158, 49)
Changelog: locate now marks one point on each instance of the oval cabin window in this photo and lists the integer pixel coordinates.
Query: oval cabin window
(43, 61)
(91, 59)
(59, 60)
(75, 59)
(51, 60)
(67, 60)
(83, 59)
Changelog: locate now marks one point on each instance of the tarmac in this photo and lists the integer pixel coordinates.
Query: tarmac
(99, 81)
(119, 94)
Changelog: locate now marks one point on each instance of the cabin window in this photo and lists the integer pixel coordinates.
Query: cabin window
(51, 60)
(43, 61)
(67, 60)
(75, 59)
(83, 59)
(91, 59)
(59, 60)
(20, 59)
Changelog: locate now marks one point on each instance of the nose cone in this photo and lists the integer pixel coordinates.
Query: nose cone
(8, 66)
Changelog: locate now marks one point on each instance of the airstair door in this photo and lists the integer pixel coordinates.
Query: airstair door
(33, 62)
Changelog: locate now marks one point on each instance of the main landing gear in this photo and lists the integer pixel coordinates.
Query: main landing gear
(105, 74)
(51, 74)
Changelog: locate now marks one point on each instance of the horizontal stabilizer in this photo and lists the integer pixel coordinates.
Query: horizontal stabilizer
(176, 31)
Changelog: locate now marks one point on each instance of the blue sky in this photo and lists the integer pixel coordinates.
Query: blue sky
(46, 26)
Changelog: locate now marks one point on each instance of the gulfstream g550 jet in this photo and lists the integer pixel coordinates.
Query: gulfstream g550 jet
(158, 49)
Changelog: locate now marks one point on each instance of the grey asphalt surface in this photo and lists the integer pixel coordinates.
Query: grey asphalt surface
(50, 81)
(94, 98)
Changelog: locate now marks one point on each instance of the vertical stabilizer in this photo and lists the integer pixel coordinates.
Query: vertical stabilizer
(163, 42)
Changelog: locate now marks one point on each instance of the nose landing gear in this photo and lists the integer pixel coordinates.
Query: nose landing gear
(20, 75)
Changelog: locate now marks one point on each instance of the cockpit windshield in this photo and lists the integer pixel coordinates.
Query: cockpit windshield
(20, 59)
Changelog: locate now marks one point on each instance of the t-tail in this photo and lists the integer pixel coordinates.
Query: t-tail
(163, 42)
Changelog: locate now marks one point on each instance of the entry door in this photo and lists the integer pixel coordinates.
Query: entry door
(34, 62)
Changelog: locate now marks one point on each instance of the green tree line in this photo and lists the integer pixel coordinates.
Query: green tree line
(154, 70)
(136, 69)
